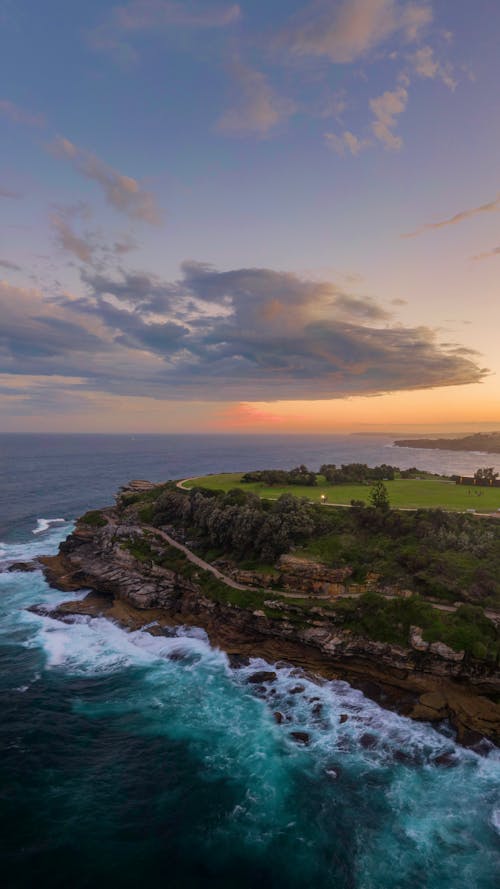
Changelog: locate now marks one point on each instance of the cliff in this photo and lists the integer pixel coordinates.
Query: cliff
(140, 580)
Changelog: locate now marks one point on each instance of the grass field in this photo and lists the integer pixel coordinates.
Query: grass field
(403, 493)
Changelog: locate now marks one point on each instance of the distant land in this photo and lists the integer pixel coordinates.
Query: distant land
(402, 434)
(488, 442)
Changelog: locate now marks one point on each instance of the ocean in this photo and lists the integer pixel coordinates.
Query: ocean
(130, 760)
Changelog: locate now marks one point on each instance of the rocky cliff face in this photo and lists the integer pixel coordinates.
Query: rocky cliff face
(426, 681)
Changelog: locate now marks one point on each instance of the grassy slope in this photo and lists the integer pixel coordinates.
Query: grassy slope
(410, 493)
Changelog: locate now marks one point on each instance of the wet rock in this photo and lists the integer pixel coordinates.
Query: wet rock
(297, 689)
(368, 741)
(238, 660)
(178, 656)
(446, 760)
(23, 566)
(405, 758)
(343, 718)
(317, 709)
(303, 738)
(260, 691)
(262, 676)
(278, 717)
(333, 773)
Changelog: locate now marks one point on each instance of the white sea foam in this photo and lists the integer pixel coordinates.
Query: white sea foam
(28, 550)
(44, 525)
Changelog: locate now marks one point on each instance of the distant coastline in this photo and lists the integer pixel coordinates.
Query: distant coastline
(486, 442)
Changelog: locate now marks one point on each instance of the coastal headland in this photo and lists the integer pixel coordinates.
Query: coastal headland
(286, 591)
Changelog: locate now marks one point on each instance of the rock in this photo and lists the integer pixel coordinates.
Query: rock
(278, 717)
(416, 640)
(23, 566)
(178, 656)
(238, 660)
(446, 760)
(317, 710)
(368, 741)
(447, 653)
(301, 738)
(406, 759)
(297, 690)
(433, 699)
(262, 676)
(343, 718)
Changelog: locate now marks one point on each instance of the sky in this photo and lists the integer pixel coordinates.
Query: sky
(249, 217)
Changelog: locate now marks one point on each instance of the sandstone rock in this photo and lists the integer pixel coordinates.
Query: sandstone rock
(447, 653)
(416, 640)
(434, 700)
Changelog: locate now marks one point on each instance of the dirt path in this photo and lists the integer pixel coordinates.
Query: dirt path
(196, 559)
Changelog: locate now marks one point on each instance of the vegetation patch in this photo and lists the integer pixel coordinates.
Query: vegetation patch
(94, 518)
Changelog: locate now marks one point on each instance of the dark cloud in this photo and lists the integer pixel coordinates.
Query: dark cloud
(245, 334)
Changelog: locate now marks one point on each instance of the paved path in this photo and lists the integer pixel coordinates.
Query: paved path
(196, 559)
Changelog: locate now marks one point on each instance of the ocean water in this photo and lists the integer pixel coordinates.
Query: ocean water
(133, 760)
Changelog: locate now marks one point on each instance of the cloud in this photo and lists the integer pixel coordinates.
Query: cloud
(8, 193)
(258, 334)
(122, 192)
(347, 30)
(82, 247)
(259, 108)
(140, 17)
(494, 252)
(385, 109)
(491, 207)
(346, 142)
(426, 65)
(245, 334)
(19, 115)
(10, 266)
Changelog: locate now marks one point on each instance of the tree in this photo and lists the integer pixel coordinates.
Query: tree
(487, 474)
(379, 498)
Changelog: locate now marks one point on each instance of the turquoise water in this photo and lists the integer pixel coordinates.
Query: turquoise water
(130, 760)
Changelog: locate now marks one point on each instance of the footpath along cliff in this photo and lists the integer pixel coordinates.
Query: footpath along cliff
(144, 576)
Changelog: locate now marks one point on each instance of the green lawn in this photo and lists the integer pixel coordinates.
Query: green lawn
(409, 493)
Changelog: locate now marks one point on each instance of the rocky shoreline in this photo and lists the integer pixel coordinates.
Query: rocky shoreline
(430, 685)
